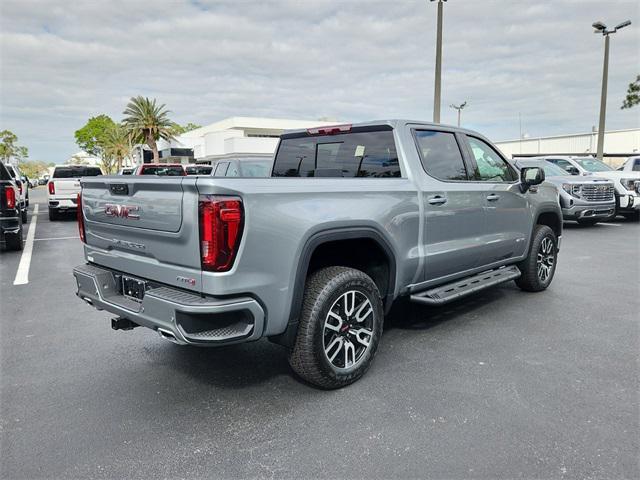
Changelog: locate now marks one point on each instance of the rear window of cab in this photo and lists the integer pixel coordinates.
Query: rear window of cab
(76, 172)
(358, 152)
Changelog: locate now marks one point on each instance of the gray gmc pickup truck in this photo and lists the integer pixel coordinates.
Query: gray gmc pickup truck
(352, 218)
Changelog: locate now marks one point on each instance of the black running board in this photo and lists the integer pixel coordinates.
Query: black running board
(466, 286)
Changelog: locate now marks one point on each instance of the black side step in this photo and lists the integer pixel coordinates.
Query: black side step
(466, 286)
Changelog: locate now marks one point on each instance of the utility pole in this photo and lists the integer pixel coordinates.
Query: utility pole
(602, 28)
(459, 108)
(438, 76)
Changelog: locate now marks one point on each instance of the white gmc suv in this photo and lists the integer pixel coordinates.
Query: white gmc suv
(64, 185)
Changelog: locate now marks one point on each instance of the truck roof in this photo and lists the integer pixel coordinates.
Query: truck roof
(393, 122)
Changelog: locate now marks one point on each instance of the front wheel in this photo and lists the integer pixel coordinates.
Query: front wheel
(540, 266)
(632, 217)
(340, 327)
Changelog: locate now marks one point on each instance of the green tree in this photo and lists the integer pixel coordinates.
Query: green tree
(118, 144)
(633, 94)
(91, 137)
(9, 148)
(180, 129)
(148, 122)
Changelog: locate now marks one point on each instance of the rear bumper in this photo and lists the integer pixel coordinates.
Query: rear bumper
(8, 226)
(62, 203)
(180, 316)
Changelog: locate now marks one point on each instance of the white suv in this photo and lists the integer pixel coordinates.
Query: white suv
(64, 185)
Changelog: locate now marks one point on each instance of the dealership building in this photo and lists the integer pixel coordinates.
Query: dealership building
(234, 137)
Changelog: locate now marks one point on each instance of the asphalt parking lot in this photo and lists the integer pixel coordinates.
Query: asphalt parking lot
(505, 384)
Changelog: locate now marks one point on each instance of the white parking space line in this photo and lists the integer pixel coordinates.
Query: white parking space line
(22, 275)
(56, 238)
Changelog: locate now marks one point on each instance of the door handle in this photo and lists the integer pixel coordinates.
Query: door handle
(437, 200)
(493, 197)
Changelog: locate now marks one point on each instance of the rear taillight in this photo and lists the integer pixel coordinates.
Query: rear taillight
(80, 216)
(10, 197)
(52, 188)
(221, 222)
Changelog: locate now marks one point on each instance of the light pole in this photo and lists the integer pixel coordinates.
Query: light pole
(602, 28)
(436, 90)
(459, 109)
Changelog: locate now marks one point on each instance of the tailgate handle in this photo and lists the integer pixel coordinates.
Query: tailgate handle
(119, 188)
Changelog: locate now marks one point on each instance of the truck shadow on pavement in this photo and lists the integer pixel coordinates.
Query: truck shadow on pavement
(245, 365)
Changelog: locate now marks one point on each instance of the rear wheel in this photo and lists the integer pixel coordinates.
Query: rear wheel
(340, 327)
(23, 215)
(53, 215)
(540, 266)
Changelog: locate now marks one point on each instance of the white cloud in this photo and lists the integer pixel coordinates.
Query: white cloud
(63, 62)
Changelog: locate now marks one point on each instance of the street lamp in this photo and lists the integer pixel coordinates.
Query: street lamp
(459, 109)
(436, 90)
(602, 28)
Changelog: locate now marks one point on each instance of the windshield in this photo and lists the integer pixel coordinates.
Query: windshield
(75, 172)
(551, 170)
(593, 165)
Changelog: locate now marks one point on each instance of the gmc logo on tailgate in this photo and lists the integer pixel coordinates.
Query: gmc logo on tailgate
(122, 211)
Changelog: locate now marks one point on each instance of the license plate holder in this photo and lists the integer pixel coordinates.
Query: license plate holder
(133, 288)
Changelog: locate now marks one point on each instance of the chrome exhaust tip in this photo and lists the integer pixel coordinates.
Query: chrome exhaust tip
(169, 335)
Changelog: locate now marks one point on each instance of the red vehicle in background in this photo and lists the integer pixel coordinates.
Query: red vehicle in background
(161, 169)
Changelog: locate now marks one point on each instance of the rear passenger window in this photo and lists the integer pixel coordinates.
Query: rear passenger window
(491, 166)
(440, 155)
(364, 152)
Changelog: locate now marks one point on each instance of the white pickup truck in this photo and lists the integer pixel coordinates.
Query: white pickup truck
(64, 185)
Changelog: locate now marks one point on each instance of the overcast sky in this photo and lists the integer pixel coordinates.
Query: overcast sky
(64, 61)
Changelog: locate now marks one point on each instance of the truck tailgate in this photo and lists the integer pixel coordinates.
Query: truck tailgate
(145, 227)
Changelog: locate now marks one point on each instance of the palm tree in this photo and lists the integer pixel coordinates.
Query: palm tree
(118, 143)
(148, 122)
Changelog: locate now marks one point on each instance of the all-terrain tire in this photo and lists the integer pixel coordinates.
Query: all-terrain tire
(324, 290)
(53, 215)
(532, 279)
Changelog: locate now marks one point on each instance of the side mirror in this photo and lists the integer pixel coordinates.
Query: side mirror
(573, 170)
(531, 176)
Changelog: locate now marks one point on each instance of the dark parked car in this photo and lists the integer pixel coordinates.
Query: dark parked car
(10, 214)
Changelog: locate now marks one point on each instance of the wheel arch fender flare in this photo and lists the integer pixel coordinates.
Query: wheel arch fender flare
(311, 244)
